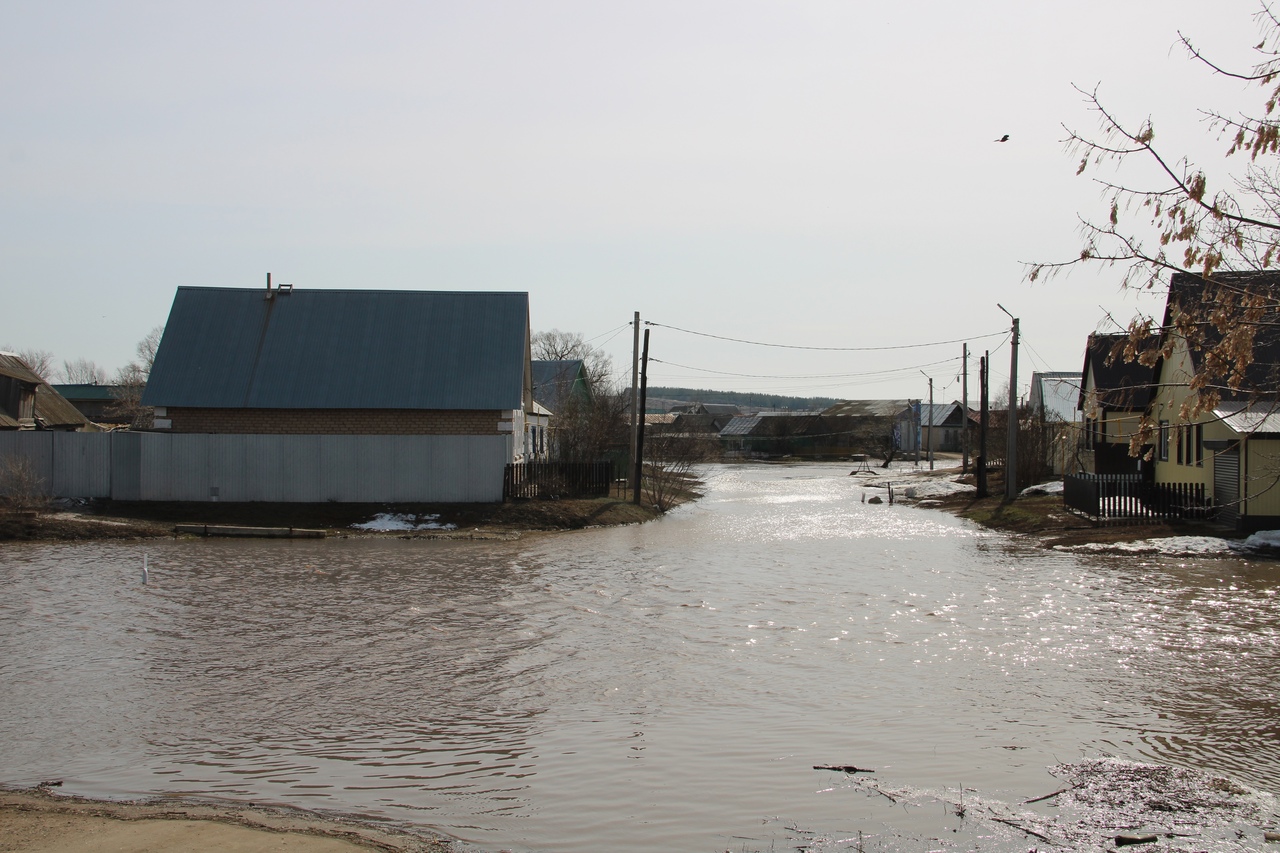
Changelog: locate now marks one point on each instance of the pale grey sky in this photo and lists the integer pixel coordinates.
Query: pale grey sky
(810, 173)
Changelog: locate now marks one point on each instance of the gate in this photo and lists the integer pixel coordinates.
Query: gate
(1226, 486)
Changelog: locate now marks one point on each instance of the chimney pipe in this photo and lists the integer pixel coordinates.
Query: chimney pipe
(268, 281)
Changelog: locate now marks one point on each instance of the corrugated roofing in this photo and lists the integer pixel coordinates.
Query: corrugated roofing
(1117, 384)
(867, 408)
(936, 414)
(741, 425)
(88, 392)
(1258, 419)
(51, 408)
(342, 349)
(1059, 392)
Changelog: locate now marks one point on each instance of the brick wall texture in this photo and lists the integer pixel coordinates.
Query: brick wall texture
(336, 421)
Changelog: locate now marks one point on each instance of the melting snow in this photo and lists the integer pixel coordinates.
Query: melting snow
(384, 521)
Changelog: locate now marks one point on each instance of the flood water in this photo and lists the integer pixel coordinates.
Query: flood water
(667, 686)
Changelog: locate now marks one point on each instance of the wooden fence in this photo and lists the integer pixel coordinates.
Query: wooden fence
(550, 480)
(1129, 499)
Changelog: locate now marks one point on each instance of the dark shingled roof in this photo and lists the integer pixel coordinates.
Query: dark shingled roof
(342, 349)
(1193, 294)
(1120, 385)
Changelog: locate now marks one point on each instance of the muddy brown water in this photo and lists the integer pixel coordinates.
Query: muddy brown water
(667, 686)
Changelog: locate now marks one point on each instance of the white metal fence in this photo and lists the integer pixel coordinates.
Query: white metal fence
(274, 468)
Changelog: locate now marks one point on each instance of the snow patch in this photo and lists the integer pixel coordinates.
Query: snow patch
(1169, 546)
(388, 521)
(1052, 488)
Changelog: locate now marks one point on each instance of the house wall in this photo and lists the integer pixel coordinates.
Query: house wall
(1172, 391)
(335, 421)
(1260, 472)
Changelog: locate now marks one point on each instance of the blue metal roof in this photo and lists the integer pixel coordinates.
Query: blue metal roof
(342, 349)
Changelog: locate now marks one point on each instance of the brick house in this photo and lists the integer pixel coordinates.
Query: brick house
(287, 361)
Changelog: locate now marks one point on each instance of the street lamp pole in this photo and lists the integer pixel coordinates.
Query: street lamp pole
(929, 434)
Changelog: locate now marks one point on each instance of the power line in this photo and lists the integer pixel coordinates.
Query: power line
(803, 375)
(824, 349)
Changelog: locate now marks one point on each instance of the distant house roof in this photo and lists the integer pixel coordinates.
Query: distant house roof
(51, 409)
(342, 349)
(741, 425)
(940, 414)
(1115, 383)
(555, 380)
(1057, 393)
(868, 408)
(88, 392)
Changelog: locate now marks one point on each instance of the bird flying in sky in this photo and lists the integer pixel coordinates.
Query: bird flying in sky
(1004, 138)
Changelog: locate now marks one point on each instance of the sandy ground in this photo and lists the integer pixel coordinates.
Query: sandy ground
(37, 822)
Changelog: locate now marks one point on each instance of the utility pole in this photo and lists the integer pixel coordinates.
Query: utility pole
(644, 387)
(964, 404)
(929, 434)
(1011, 425)
(980, 464)
(635, 387)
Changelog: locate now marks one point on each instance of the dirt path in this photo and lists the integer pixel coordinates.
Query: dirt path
(37, 822)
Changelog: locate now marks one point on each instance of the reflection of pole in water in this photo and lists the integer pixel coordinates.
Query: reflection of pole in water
(146, 575)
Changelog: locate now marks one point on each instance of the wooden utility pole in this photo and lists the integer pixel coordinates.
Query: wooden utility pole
(929, 435)
(635, 388)
(1011, 422)
(644, 387)
(980, 464)
(964, 404)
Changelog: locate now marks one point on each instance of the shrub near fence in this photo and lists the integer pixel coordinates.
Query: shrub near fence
(1128, 499)
(549, 480)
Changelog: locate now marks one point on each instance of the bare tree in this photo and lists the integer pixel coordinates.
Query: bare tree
(1168, 216)
(590, 427)
(38, 360)
(131, 381)
(670, 459)
(82, 371)
(556, 345)
(21, 488)
(146, 350)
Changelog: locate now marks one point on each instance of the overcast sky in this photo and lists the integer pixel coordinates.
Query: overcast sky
(804, 173)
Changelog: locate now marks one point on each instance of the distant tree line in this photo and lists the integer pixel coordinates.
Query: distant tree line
(743, 399)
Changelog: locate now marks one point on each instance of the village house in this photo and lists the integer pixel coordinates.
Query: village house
(1232, 445)
(1113, 398)
(27, 402)
(942, 427)
(877, 426)
(99, 403)
(346, 394)
(1055, 405)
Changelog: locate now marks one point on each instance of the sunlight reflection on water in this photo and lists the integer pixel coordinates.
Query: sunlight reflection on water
(666, 686)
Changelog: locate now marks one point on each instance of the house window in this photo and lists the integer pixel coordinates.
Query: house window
(1198, 444)
(1102, 428)
(1164, 441)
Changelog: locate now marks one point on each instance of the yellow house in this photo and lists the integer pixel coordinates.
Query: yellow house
(1227, 438)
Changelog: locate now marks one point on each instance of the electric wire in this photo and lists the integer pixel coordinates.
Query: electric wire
(824, 349)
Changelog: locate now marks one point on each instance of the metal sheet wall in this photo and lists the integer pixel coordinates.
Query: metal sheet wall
(269, 468)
